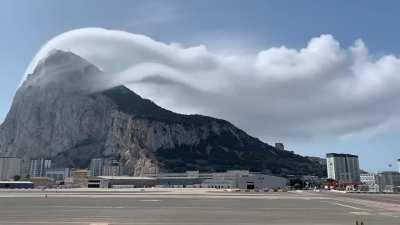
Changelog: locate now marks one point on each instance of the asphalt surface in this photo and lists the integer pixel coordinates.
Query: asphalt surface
(178, 209)
(387, 198)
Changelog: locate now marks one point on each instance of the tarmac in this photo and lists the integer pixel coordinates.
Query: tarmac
(195, 207)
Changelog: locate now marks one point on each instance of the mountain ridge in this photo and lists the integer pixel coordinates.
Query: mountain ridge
(56, 114)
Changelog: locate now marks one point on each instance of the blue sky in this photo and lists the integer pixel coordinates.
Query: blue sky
(225, 27)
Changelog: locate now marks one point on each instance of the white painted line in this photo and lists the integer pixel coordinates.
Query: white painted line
(361, 213)
(88, 207)
(40, 222)
(150, 200)
(347, 206)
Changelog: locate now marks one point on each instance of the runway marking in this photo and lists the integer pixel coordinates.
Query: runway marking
(89, 207)
(119, 223)
(360, 213)
(347, 206)
(150, 200)
(50, 222)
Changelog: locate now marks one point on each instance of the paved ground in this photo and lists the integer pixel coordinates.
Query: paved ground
(192, 208)
(388, 198)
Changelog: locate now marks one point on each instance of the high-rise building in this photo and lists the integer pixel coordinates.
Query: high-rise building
(388, 180)
(343, 168)
(38, 167)
(96, 167)
(398, 164)
(112, 168)
(9, 167)
(280, 146)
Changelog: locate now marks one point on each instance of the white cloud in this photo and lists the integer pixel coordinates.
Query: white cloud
(321, 89)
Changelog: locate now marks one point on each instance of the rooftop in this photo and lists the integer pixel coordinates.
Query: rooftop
(14, 182)
(341, 155)
(125, 178)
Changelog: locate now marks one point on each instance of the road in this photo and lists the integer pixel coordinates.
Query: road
(189, 208)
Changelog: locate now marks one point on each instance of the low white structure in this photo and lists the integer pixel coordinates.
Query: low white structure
(121, 181)
(16, 184)
(58, 175)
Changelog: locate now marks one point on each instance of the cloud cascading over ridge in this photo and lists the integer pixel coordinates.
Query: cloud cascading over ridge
(321, 89)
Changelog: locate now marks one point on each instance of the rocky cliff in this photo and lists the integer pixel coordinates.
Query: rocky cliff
(57, 113)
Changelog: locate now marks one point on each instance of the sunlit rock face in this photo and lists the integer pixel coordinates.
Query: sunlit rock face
(59, 113)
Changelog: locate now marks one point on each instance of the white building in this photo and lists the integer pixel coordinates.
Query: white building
(227, 180)
(243, 179)
(9, 167)
(370, 181)
(343, 168)
(112, 168)
(38, 167)
(96, 167)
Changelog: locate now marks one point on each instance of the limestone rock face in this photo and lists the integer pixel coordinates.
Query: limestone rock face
(59, 114)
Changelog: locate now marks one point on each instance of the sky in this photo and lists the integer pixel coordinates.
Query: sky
(319, 76)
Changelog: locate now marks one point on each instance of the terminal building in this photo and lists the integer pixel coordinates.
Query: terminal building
(121, 182)
(227, 180)
(188, 179)
(343, 168)
(236, 179)
(9, 167)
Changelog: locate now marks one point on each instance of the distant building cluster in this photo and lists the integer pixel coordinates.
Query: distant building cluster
(343, 173)
(385, 181)
(108, 173)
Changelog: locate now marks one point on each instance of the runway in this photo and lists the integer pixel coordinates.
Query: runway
(187, 208)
